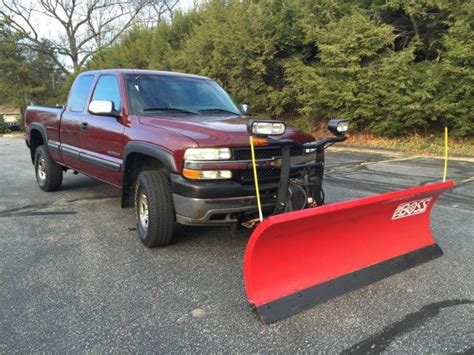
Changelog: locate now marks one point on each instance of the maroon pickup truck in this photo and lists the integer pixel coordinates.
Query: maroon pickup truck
(176, 144)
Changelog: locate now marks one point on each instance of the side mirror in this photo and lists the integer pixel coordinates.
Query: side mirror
(102, 108)
(245, 109)
(338, 127)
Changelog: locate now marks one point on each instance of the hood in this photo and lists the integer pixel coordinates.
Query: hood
(216, 131)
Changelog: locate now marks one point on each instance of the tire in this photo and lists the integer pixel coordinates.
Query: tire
(49, 174)
(153, 194)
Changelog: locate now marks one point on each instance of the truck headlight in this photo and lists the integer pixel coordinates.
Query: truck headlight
(207, 154)
(207, 174)
(192, 166)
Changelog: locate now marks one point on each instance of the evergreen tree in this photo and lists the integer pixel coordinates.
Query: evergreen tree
(393, 67)
(25, 76)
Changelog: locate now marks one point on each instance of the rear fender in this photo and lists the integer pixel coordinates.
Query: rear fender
(31, 141)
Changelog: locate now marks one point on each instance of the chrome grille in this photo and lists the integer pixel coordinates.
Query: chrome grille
(266, 174)
(262, 153)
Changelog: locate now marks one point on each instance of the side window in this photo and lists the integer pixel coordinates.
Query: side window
(107, 88)
(79, 92)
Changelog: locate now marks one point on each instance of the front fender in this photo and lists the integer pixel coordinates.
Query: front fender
(160, 153)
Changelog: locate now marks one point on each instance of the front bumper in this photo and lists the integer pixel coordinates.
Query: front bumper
(218, 202)
(217, 211)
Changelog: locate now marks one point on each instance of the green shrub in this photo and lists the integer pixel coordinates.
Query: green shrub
(3, 126)
(393, 67)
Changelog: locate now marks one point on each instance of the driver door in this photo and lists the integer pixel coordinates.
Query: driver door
(102, 136)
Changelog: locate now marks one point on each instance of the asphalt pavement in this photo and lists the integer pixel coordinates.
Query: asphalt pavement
(75, 278)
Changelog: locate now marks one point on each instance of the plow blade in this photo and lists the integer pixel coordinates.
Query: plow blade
(298, 259)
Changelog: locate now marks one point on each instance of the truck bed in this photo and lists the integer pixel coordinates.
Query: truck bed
(48, 116)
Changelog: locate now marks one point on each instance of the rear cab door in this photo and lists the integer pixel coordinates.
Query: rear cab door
(71, 120)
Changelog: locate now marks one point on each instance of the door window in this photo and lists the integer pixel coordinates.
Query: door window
(79, 92)
(107, 88)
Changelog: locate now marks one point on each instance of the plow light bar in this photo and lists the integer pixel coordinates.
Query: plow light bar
(266, 128)
(338, 127)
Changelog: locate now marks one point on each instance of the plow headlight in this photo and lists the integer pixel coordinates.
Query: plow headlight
(207, 154)
(266, 128)
(338, 127)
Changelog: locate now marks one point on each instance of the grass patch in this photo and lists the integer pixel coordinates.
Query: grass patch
(13, 135)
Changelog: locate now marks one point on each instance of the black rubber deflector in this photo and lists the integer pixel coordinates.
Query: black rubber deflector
(297, 302)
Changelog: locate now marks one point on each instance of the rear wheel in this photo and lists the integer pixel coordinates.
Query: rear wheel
(154, 208)
(49, 174)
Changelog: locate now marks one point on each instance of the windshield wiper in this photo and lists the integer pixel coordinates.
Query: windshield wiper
(175, 109)
(218, 110)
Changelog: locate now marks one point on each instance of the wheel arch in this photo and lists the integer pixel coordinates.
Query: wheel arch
(139, 156)
(37, 137)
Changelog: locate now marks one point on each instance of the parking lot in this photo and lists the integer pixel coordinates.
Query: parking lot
(74, 277)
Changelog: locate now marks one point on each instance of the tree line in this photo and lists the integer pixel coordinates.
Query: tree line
(394, 67)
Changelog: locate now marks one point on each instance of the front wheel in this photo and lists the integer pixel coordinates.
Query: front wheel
(154, 208)
(49, 174)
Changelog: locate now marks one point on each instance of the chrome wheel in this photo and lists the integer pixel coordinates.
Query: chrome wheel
(41, 169)
(143, 210)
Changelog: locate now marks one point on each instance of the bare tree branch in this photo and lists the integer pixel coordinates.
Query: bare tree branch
(82, 26)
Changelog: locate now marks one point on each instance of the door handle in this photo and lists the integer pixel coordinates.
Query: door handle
(84, 126)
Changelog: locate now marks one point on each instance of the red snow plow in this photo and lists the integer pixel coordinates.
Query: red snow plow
(304, 254)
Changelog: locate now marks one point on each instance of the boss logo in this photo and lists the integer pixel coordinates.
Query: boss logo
(411, 208)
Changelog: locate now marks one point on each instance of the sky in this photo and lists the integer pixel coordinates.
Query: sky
(51, 29)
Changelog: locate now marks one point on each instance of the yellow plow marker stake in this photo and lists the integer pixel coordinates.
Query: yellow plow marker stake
(445, 172)
(255, 178)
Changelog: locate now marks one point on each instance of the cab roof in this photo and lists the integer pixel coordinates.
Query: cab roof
(141, 71)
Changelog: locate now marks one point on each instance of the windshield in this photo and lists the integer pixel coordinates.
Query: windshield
(177, 95)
